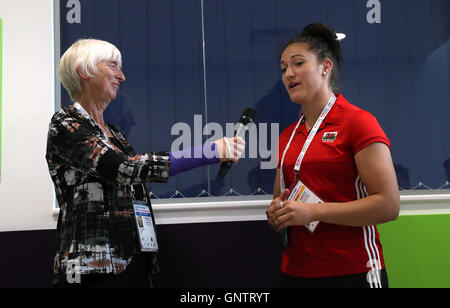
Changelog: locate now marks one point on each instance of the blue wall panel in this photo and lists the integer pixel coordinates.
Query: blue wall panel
(398, 70)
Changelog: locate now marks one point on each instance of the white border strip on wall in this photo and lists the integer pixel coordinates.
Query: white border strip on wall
(426, 204)
(253, 208)
(220, 209)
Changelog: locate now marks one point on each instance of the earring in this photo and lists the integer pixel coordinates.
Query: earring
(324, 73)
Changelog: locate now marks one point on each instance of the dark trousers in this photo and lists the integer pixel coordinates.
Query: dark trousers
(348, 281)
(137, 275)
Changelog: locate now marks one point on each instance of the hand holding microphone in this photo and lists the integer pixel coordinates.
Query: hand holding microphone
(246, 119)
(230, 149)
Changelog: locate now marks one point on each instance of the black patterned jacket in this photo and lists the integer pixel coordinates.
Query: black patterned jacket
(93, 176)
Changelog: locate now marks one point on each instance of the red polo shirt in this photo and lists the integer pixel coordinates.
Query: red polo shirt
(329, 170)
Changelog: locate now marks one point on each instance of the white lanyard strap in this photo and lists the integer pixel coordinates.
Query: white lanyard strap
(284, 154)
(84, 112)
(308, 141)
(81, 109)
(313, 133)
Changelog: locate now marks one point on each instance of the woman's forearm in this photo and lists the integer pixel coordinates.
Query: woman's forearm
(192, 158)
(372, 210)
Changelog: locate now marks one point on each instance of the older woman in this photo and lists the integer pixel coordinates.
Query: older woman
(99, 178)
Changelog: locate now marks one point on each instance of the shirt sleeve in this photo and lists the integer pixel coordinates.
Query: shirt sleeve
(73, 143)
(192, 158)
(365, 130)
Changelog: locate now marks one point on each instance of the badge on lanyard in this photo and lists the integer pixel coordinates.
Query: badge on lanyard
(145, 227)
(303, 194)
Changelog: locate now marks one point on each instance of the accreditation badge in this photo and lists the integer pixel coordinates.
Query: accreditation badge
(145, 227)
(303, 194)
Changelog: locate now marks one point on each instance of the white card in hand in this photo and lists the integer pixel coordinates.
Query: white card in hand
(303, 194)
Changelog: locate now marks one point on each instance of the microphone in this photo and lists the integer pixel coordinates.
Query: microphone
(247, 118)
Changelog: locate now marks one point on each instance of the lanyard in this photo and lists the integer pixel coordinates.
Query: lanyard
(84, 112)
(307, 143)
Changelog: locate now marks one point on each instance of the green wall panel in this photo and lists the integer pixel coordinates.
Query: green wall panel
(417, 251)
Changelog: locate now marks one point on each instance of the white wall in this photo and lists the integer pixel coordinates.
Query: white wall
(26, 190)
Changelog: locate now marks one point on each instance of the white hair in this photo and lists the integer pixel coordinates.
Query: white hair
(84, 54)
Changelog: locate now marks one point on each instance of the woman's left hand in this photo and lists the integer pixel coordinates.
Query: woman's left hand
(293, 213)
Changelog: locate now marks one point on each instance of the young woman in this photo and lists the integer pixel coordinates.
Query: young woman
(346, 162)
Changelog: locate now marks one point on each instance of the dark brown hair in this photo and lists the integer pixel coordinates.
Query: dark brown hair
(323, 42)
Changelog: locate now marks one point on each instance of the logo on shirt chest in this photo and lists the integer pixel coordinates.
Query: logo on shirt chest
(329, 137)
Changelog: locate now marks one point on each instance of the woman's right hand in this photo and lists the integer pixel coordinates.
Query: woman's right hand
(274, 206)
(230, 148)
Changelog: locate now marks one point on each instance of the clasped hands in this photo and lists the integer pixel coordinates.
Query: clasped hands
(283, 213)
